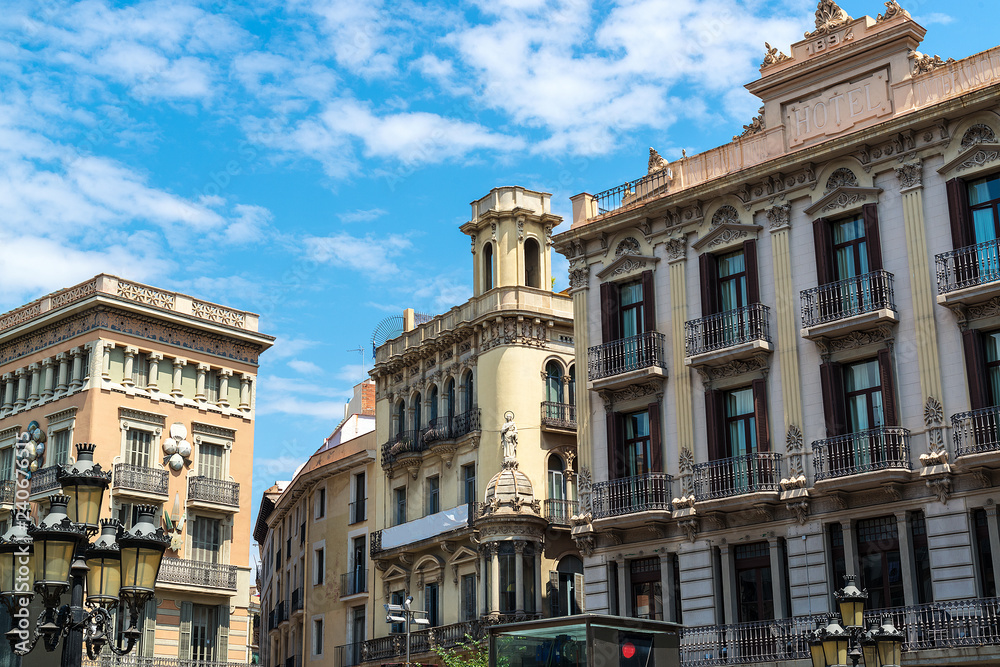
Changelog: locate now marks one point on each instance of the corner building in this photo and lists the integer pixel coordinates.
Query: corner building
(152, 377)
(472, 539)
(792, 361)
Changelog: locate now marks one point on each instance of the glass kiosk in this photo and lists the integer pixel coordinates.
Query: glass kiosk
(586, 640)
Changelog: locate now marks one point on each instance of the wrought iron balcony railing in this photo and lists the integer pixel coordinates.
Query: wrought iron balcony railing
(974, 622)
(218, 491)
(971, 266)
(358, 511)
(627, 354)
(729, 329)
(110, 660)
(281, 612)
(296, 600)
(141, 478)
(349, 655)
(630, 495)
(197, 573)
(882, 448)
(450, 428)
(354, 582)
(560, 415)
(383, 649)
(748, 643)
(7, 491)
(402, 443)
(977, 431)
(846, 298)
(750, 473)
(560, 511)
(44, 480)
(271, 624)
(641, 189)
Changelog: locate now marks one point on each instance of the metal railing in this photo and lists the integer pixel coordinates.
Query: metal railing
(560, 511)
(354, 582)
(865, 451)
(750, 473)
(394, 646)
(728, 329)
(968, 267)
(44, 480)
(296, 600)
(197, 573)
(627, 354)
(349, 655)
(632, 192)
(402, 443)
(641, 493)
(976, 431)
(748, 643)
(281, 612)
(846, 298)
(110, 660)
(358, 511)
(7, 490)
(218, 491)
(973, 622)
(560, 415)
(271, 624)
(141, 478)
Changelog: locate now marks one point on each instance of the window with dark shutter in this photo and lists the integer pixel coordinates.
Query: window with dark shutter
(958, 213)
(759, 387)
(869, 213)
(823, 241)
(655, 446)
(609, 312)
(889, 406)
(834, 410)
(753, 280)
(714, 424)
(975, 367)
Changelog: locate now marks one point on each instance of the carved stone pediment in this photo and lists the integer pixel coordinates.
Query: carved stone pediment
(627, 264)
(726, 235)
(844, 198)
(395, 572)
(975, 155)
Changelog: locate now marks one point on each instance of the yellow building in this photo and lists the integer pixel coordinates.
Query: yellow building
(163, 383)
(469, 551)
(312, 534)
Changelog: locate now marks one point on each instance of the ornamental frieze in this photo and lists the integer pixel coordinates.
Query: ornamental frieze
(510, 331)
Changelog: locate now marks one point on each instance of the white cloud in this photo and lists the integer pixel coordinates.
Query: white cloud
(305, 367)
(934, 18)
(362, 215)
(370, 255)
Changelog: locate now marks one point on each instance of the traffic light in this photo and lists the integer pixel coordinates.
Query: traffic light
(635, 650)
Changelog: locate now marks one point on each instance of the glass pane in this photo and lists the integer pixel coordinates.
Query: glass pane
(637, 426)
(630, 294)
(739, 402)
(731, 264)
(984, 225)
(865, 375)
(848, 230)
(984, 190)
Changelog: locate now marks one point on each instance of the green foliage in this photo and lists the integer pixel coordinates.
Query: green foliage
(470, 653)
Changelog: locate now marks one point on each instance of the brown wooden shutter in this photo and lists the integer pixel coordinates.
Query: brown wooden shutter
(750, 262)
(975, 369)
(655, 440)
(823, 240)
(709, 269)
(889, 404)
(834, 408)
(870, 214)
(648, 302)
(610, 324)
(760, 415)
(958, 212)
(616, 440)
(714, 424)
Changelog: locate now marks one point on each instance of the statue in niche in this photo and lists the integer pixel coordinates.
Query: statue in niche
(508, 437)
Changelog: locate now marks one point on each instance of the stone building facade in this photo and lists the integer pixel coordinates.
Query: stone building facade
(792, 359)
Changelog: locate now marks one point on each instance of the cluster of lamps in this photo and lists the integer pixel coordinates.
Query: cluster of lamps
(118, 570)
(832, 645)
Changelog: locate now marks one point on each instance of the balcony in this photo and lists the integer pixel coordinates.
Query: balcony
(209, 491)
(353, 583)
(753, 643)
(296, 601)
(7, 491)
(281, 612)
(559, 415)
(444, 428)
(626, 361)
(423, 529)
(977, 437)
(385, 649)
(197, 573)
(725, 337)
(969, 275)
(863, 459)
(44, 480)
(358, 511)
(758, 474)
(559, 512)
(349, 655)
(849, 305)
(142, 480)
(271, 623)
(401, 445)
(632, 496)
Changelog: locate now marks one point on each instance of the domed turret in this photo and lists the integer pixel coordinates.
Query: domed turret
(510, 489)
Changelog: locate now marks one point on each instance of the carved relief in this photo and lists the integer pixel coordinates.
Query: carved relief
(980, 133)
(728, 236)
(628, 246)
(858, 339)
(578, 278)
(656, 162)
(772, 56)
(924, 63)
(631, 392)
(829, 17)
(627, 266)
(910, 175)
(676, 249)
(979, 159)
(841, 178)
(756, 125)
(726, 215)
(737, 367)
(779, 216)
(892, 10)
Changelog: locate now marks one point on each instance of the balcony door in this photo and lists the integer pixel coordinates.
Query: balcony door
(647, 588)
(358, 571)
(211, 459)
(627, 309)
(880, 564)
(984, 209)
(634, 451)
(206, 540)
(204, 632)
(755, 595)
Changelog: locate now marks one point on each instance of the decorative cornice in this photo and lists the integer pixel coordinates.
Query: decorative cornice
(211, 429)
(976, 155)
(922, 64)
(627, 263)
(62, 415)
(725, 234)
(892, 10)
(141, 416)
(843, 197)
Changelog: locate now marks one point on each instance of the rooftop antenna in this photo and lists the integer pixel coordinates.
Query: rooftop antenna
(360, 350)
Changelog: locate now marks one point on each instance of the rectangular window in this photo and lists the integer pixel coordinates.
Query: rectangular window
(128, 514)
(140, 370)
(984, 552)
(921, 557)
(358, 571)
(433, 495)
(317, 637)
(741, 422)
(138, 448)
(732, 281)
(637, 445)
(879, 562)
(212, 386)
(319, 511)
(397, 597)
(647, 593)
(358, 509)
(319, 566)
(210, 462)
(984, 205)
(204, 633)
(469, 611)
(469, 482)
(631, 316)
(838, 563)
(754, 595)
(7, 463)
(400, 507)
(431, 604)
(863, 394)
(206, 540)
(627, 309)
(850, 248)
(59, 448)
(678, 613)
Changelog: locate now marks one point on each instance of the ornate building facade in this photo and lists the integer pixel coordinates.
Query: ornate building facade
(164, 385)
(792, 361)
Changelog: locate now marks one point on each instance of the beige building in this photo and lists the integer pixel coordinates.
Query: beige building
(470, 537)
(163, 383)
(313, 535)
(792, 359)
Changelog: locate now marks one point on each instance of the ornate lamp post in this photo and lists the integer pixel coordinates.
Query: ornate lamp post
(118, 571)
(831, 646)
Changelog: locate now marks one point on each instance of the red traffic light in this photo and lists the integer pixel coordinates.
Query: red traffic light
(628, 649)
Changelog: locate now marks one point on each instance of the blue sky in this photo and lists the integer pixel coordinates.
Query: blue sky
(311, 160)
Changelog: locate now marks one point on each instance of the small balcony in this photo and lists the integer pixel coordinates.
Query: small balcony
(213, 492)
(626, 361)
(977, 437)
(724, 337)
(358, 511)
(633, 496)
(349, 655)
(845, 306)
(443, 429)
(271, 623)
(8, 488)
(969, 275)
(401, 446)
(297, 601)
(558, 415)
(281, 612)
(354, 582)
(44, 481)
(758, 473)
(140, 480)
(559, 512)
(198, 574)
(864, 459)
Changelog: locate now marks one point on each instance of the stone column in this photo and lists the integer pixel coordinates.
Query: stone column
(106, 348)
(176, 390)
(199, 394)
(63, 360)
(677, 260)
(224, 376)
(22, 388)
(906, 558)
(667, 587)
(484, 603)
(8, 391)
(48, 381)
(494, 578)
(994, 530)
(779, 578)
(36, 379)
(579, 276)
(728, 585)
(244, 391)
(850, 551)
(786, 297)
(538, 578)
(76, 380)
(519, 576)
(152, 383)
(623, 592)
(130, 353)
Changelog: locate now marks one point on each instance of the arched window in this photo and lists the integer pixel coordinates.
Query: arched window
(450, 399)
(570, 593)
(571, 386)
(400, 418)
(532, 264)
(470, 392)
(553, 382)
(557, 482)
(417, 423)
(434, 407)
(488, 267)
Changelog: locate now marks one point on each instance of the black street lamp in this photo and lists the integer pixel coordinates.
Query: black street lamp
(832, 645)
(118, 571)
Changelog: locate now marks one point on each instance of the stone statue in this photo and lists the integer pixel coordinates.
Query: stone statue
(508, 437)
(656, 162)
